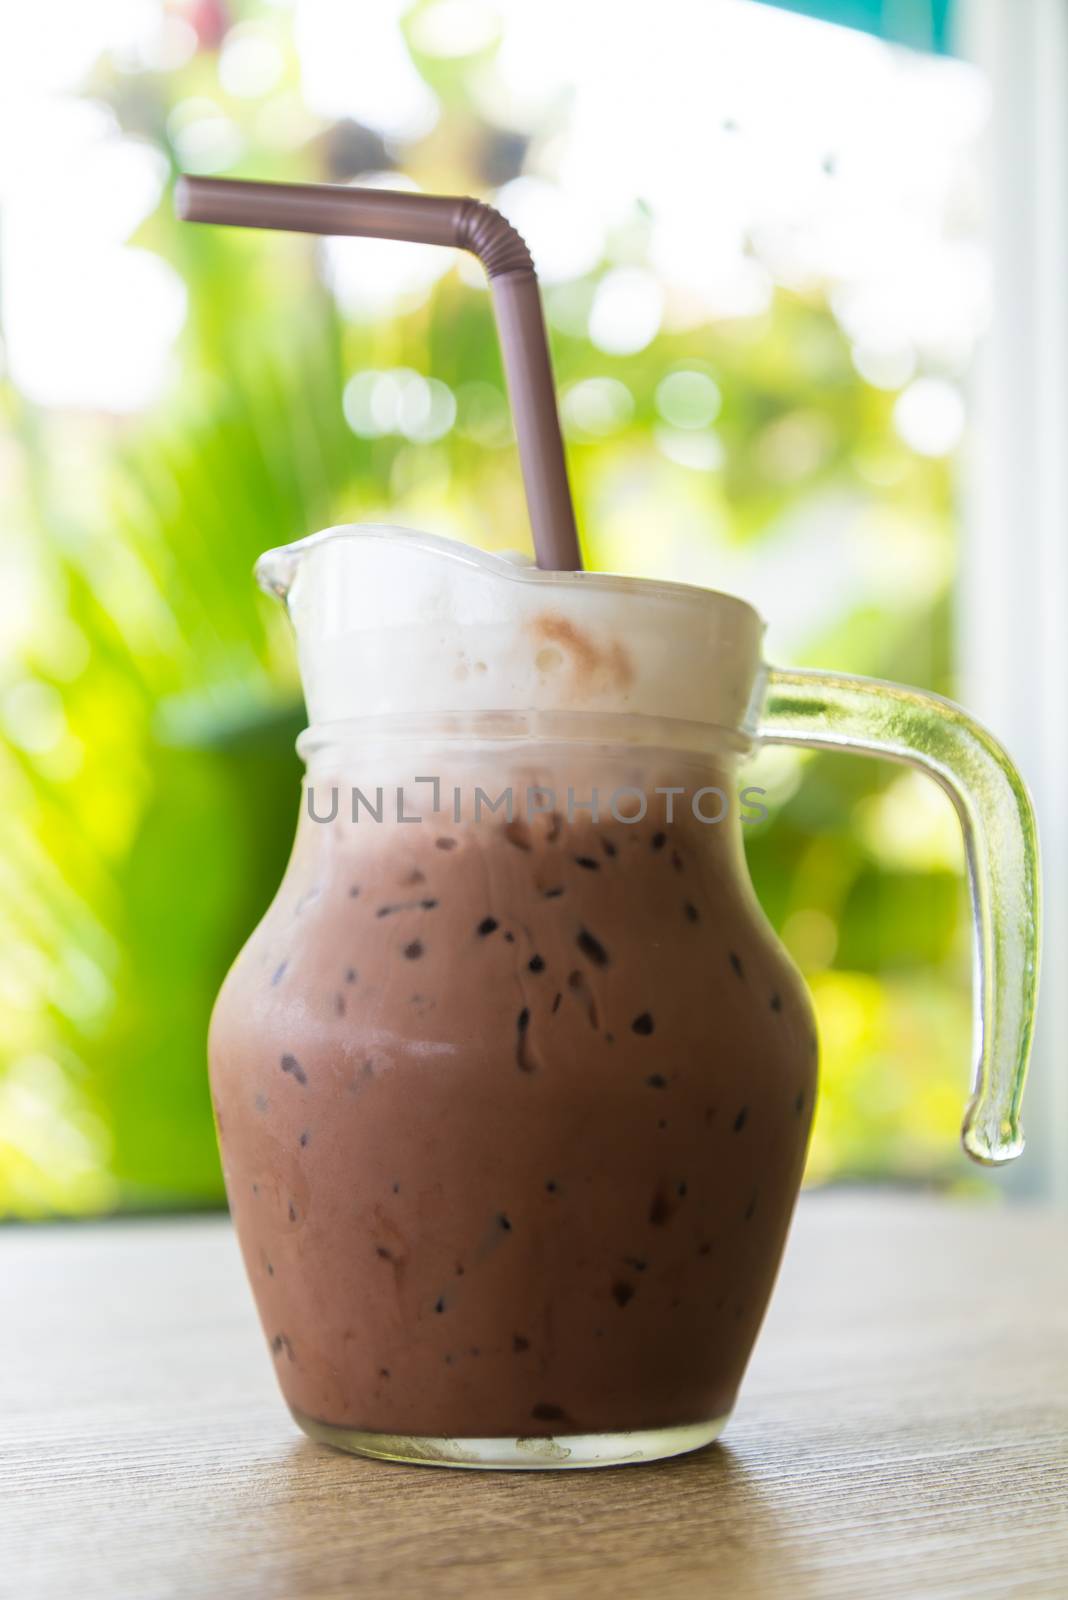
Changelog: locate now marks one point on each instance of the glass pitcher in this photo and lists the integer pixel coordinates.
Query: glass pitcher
(514, 1081)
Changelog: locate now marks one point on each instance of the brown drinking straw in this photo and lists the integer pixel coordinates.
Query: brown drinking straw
(466, 225)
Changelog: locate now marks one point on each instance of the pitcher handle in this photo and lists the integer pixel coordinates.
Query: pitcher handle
(831, 712)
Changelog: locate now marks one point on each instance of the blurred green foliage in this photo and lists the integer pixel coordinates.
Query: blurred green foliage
(144, 843)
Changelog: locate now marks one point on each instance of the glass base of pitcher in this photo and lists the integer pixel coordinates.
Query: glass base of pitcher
(565, 1450)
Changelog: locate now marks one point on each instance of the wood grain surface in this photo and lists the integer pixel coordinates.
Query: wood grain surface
(903, 1432)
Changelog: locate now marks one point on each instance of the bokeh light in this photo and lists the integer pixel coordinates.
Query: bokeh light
(597, 406)
(929, 416)
(626, 312)
(688, 399)
(399, 402)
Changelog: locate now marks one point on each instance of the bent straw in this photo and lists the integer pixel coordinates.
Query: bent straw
(466, 225)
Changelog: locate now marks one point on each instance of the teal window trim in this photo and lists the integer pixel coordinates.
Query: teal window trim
(921, 24)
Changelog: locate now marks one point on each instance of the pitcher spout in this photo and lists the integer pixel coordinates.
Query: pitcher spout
(392, 622)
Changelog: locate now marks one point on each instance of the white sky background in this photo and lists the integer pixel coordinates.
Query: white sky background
(723, 121)
(766, 147)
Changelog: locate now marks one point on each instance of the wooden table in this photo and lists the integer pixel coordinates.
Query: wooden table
(903, 1432)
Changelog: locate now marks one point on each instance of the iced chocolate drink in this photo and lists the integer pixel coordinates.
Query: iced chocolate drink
(513, 1080)
(513, 1114)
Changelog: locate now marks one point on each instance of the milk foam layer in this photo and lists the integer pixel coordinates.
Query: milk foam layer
(393, 622)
